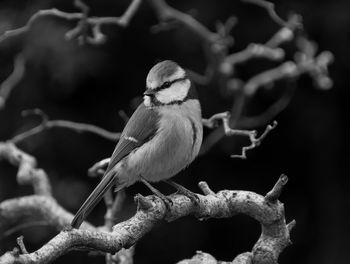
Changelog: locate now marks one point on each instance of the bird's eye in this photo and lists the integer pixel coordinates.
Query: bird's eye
(166, 84)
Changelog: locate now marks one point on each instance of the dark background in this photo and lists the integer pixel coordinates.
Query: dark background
(91, 84)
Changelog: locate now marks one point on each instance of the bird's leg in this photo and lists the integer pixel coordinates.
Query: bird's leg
(167, 201)
(182, 190)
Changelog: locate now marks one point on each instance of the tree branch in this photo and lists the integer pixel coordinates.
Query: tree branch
(13, 79)
(27, 173)
(270, 8)
(274, 237)
(94, 22)
(252, 134)
(74, 126)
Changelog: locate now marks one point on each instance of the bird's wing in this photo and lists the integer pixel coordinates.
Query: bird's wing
(140, 128)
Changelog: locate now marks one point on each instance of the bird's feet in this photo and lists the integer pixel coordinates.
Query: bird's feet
(182, 190)
(167, 201)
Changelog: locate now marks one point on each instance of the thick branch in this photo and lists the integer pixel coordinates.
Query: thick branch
(27, 173)
(151, 210)
(34, 208)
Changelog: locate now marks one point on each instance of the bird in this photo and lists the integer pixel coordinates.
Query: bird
(161, 138)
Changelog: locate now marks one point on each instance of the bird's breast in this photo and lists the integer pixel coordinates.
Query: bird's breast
(175, 145)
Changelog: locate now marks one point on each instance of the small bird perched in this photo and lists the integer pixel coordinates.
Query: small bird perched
(161, 138)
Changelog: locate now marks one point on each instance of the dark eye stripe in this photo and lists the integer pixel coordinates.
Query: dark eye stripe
(168, 84)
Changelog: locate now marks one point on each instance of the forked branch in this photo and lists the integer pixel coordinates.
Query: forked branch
(151, 210)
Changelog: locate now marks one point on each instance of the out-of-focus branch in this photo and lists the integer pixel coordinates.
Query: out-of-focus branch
(34, 208)
(28, 173)
(98, 168)
(305, 63)
(13, 79)
(248, 122)
(255, 51)
(94, 22)
(270, 8)
(124, 256)
(167, 14)
(274, 237)
(74, 126)
(215, 44)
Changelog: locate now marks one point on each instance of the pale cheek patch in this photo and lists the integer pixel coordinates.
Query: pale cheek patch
(176, 92)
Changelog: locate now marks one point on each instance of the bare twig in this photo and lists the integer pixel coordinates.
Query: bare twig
(215, 44)
(123, 116)
(74, 126)
(270, 8)
(94, 22)
(273, 195)
(16, 228)
(21, 245)
(255, 51)
(13, 79)
(98, 168)
(252, 134)
(286, 33)
(167, 14)
(205, 188)
(291, 225)
(286, 70)
(81, 30)
(248, 122)
(255, 141)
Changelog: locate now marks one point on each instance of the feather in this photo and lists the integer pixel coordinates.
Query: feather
(96, 196)
(140, 128)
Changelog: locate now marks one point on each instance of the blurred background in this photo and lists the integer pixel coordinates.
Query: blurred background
(92, 83)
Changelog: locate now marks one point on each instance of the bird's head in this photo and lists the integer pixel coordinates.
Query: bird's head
(167, 84)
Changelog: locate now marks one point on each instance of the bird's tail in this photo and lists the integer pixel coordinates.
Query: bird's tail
(96, 196)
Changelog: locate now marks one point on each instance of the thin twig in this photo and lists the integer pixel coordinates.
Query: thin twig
(252, 134)
(273, 195)
(13, 79)
(23, 226)
(81, 30)
(255, 142)
(98, 169)
(248, 122)
(270, 8)
(21, 245)
(74, 126)
(94, 22)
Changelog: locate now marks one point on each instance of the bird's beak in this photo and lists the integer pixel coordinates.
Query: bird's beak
(149, 92)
